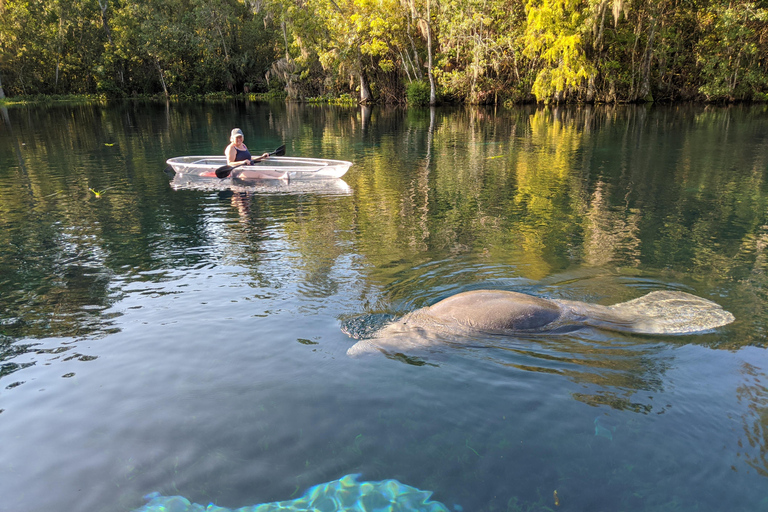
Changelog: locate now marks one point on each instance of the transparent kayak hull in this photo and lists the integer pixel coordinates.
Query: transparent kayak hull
(274, 167)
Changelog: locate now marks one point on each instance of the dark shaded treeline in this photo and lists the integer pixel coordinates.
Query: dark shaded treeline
(477, 51)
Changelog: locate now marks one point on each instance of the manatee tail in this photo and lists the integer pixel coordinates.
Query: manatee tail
(662, 312)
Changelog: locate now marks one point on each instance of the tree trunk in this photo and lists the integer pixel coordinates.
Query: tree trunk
(58, 52)
(365, 90)
(103, 4)
(432, 95)
(645, 80)
(285, 39)
(406, 60)
(2, 93)
(162, 78)
(590, 90)
(417, 66)
(223, 43)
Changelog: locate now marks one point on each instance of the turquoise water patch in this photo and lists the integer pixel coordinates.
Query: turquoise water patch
(345, 494)
(603, 429)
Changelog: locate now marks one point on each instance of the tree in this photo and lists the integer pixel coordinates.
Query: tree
(430, 63)
(480, 48)
(556, 34)
(156, 36)
(358, 39)
(355, 39)
(732, 52)
(19, 46)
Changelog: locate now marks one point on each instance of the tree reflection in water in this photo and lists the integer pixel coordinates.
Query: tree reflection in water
(754, 395)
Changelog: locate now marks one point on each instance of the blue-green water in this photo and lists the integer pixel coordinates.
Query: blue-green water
(192, 342)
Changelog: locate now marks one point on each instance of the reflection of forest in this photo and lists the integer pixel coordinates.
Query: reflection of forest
(595, 185)
(609, 375)
(754, 393)
(678, 191)
(673, 191)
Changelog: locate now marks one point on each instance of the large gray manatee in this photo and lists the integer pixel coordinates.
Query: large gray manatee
(503, 312)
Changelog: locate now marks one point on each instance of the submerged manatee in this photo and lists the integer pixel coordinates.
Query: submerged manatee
(503, 312)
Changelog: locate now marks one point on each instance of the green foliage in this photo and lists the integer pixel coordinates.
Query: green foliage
(732, 51)
(480, 54)
(169, 46)
(272, 95)
(417, 93)
(69, 99)
(485, 51)
(344, 100)
(556, 34)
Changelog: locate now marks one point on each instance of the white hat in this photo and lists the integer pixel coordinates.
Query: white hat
(236, 132)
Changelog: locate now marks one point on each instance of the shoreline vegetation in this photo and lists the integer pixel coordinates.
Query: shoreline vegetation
(42, 99)
(414, 52)
(343, 101)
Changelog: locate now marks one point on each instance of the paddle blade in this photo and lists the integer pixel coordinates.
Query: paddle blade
(279, 151)
(223, 171)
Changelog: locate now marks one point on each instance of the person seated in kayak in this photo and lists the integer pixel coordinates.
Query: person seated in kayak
(237, 153)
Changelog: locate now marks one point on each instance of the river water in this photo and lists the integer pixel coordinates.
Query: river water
(191, 340)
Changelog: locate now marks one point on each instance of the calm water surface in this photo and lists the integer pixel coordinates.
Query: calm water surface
(192, 340)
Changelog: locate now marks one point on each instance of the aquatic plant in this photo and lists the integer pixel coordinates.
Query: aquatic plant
(98, 193)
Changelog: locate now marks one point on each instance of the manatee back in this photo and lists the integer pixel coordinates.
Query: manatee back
(494, 311)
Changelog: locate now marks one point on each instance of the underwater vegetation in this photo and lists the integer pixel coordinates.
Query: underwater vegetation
(344, 494)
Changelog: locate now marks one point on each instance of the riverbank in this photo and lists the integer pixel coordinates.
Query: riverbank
(344, 100)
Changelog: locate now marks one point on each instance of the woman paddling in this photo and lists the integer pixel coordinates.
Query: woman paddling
(237, 153)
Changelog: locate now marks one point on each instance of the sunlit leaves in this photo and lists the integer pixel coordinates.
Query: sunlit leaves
(484, 51)
(359, 37)
(555, 33)
(47, 46)
(479, 47)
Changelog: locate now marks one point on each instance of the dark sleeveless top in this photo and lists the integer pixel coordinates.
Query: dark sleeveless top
(241, 155)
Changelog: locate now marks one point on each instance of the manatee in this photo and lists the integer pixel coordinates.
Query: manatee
(508, 313)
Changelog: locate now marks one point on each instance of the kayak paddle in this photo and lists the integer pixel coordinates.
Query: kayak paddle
(225, 170)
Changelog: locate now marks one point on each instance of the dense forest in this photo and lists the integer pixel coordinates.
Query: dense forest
(425, 51)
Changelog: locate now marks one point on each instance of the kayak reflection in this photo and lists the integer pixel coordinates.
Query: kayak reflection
(333, 186)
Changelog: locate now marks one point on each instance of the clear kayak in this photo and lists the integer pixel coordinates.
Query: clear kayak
(326, 186)
(274, 167)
